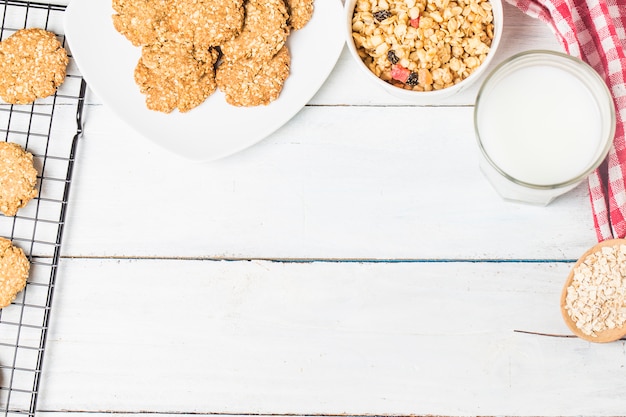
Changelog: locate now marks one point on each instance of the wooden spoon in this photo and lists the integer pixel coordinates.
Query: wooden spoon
(602, 336)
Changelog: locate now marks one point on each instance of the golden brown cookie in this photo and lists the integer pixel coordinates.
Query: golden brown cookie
(14, 268)
(141, 21)
(264, 32)
(18, 178)
(33, 64)
(175, 75)
(250, 82)
(300, 12)
(206, 23)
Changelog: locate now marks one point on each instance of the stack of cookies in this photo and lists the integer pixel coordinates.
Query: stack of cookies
(191, 48)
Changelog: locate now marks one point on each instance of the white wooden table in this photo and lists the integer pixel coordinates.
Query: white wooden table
(354, 262)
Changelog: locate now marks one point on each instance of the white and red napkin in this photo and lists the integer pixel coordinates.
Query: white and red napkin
(595, 31)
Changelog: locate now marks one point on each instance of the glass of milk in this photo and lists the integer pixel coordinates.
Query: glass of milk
(544, 121)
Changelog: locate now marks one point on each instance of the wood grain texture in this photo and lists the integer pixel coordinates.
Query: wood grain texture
(323, 338)
(336, 182)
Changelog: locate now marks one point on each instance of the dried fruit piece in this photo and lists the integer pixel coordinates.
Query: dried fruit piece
(399, 73)
(392, 57)
(382, 15)
(404, 75)
(412, 79)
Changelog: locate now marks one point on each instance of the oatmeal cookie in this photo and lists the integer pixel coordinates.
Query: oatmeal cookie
(141, 21)
(206, 23)
(175, 75)
(33, 64)
(249, 82)
(264, 32)
(300, 12)
(18, 178)
(14, 268)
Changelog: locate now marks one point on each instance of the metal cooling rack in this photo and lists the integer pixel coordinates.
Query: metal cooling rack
(49, 129)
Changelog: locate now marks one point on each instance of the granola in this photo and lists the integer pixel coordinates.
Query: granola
(423, 45)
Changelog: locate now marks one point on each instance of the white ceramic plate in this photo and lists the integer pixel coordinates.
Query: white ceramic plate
(214, 129)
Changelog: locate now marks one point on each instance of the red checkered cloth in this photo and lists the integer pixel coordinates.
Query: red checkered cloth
(595, 31)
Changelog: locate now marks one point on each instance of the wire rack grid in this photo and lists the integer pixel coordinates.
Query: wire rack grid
(49, 129)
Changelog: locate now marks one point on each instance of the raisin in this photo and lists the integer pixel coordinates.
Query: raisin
(392, 57)
(412, 80)
(382, 15)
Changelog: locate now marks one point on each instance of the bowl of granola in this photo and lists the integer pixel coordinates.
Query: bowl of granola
(423, 50)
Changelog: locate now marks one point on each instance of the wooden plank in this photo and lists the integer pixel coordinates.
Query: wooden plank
(322, 338)
(380, 182)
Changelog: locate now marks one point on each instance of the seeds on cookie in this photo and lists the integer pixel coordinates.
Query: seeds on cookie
(264, 32)
(141, 21)
(18, 178)
(253, 82)
(33, 65)
(175, 75)
(206, 23)
(300, 12)
(14, 268)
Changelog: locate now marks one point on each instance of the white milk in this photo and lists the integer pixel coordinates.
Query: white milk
(544, 121)
(541, 125)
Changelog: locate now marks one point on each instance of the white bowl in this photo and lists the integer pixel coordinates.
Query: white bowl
(425, 97)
